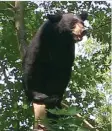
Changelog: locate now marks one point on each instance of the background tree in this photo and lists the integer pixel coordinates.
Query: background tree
(89, 89)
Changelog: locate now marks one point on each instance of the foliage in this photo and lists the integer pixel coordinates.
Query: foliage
(89, 89)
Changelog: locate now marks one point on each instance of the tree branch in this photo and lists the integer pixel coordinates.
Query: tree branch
(10, 5)
(86, 123)
(103, 25)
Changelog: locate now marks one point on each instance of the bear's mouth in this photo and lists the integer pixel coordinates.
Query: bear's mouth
(78, 37)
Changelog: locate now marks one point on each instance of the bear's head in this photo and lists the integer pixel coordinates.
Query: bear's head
(69, 23)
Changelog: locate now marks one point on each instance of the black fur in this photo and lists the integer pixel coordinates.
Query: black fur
(49, 58)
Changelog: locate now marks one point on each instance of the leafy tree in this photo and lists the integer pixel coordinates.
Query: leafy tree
(89, 90)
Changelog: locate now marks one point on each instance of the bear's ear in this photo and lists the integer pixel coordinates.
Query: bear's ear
(83, 15)
(54, 18)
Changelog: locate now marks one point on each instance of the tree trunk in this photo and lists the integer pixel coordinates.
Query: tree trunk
(19, 25)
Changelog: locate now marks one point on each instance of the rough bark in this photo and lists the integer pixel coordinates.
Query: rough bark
(19, 25)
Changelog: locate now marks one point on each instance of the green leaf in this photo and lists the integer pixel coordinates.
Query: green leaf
(82, 129)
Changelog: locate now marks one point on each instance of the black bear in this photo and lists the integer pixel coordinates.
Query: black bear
(49, 58)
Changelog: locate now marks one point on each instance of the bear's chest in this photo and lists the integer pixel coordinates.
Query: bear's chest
(62, 54)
